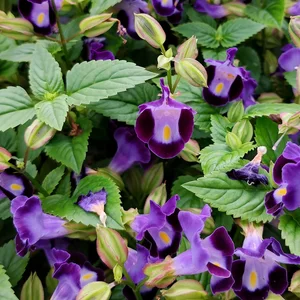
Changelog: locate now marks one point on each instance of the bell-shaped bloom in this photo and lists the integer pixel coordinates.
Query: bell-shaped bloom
(32, 224)
(165, 124)
(160, 228)
(95, 49)
(130, 150)
(227, 82)
(249, 172)
(169, 8)
(258, 271)
(289, 60)
(126, 10)
(40, 13)
(216, 11)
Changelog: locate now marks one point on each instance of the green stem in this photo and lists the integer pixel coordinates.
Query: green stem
(26, 156)
(132, 285)
(169, 72)
(175, 84)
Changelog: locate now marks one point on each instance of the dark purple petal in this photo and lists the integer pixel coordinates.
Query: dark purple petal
(186, 124)
(21, 248)
(237, 271)
(164, 8)
(220, 285)
(215, 11)
(274, 205)
(144, 126)
(213, 99)
(166, 151)
(236, 88)
(278, 281)
(218, 271)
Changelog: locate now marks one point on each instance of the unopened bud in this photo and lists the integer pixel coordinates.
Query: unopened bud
(236, 111)
(118, 273)
(148, 29)
(191, 70)
(5, 156)
(188, 49)
(295, 284)
(163, 61)
(96, 25)
(235, 8)
(185, 289)
(269, 98)
(152, 178)
(32, 288)
(107, 172)
(191, 151)
(111, 247)
(270, 62)
(233, 141)
(294, 30)
(158, 195)
(95, 290)
(290, 123)
(244, 130)
(127, 218)
(38, 134)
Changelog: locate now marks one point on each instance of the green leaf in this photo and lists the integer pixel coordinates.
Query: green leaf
(187, 199)
(64, 187)
(54, 112)
(234, 197)
(219, 125)
(6, 292)
(7, 68)
(205, 34)
(14, 264)
(32, 288)
(15, 107)
(124, 106)
(195, 16)
(238, 30)
(71, 151)
(45, 75)
(266, 109)
(8, 140)
(266, 134)
(217, 54)
(221, 219)
(95, 80)
(291, 78)
(53, 178)
(99, 6)
(4, 208)
(290, 230)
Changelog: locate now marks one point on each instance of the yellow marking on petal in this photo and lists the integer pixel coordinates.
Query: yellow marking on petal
(40, 18)
(164, 237)
(167, 133)
(217, 264)
(253, 279)
(230, 76)
(165, 1)
(87, 276)
(16, 187)
(281, 192)
(219, 88)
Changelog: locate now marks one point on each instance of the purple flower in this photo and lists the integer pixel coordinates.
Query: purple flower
(285, 174)
(257, 271)
(289, 60)
(40, 13)
(165, 124)
(216, 11)
(294, 10)
(32, 224)
(160, 228)
(249, 172)
(227, 82)
(169, 8)
(126, 10)
(130, 150)
(95, 49)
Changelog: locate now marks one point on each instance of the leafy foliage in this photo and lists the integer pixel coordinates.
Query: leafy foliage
(266, 109)
(53, 178)
(6, 291)
(8, 140)
(99, 6)
(32, 288)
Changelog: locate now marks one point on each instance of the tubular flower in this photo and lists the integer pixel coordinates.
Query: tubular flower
(227, 82)
(216, 11)
(40, 13)
(95, 49)
(165, 124)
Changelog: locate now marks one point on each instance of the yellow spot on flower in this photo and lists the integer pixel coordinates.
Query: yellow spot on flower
(40, 18)
(253, 279)
(87, 276)
(281, 192)
(16, 187)
(167, 133)
(230, 76)
(164, 237)
(165, 2)
(217, 264)
(219, 88)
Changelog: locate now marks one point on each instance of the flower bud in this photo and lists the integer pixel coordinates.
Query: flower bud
(191, 151)
(270, 62)
(236, 111)
(127, 218)
(233, 141)
(5, 156)
(269, 98)
(96, 25)
(38, 134)
(191, 70)
(152, 178)
(95, 290)
(244, 130)
(158, 195)
(290, 123)
(80, 231)
(148, 29)
(185, 289)
(107, 172)
(163, 61)
(188, 49)
(118, 273)
(294, 30)
(111, 247)
(235, 8)
(295, 284)
(32, 288)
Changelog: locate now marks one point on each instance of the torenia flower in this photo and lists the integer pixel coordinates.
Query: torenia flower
(289, 60)
(216, 11)
(160, 227)
(257, 271)
(294, 9)
(165, 124)
(95, 49)
(227, 82)
(40, 13)
(169, 8)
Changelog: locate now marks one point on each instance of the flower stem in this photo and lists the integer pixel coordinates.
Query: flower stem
(169, 72)
(134, 288)
(175, 84)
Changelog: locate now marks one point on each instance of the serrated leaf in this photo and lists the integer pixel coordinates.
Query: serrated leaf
(64, 187)
(238, 30)
(195, 16)
(205, 34)
(4, 208)
(99, 6)
(266, 109)
(8, 140)
(219, 125)
(32, 289)
(16, 107)
(53, 112)
(7, 68)
(52, 179)
(221, 219)
(291, 78)
(234, 197)
(217, 54)
(187, 199)
(124, 106)
(71, 151)
(95, 80)
(14, 264)
(6, 292)
(45, 76)
(266, 134)
(290, 230)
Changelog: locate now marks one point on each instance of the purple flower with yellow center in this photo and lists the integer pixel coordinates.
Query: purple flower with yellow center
(227, 83)
(169, 8)
(130, 150)
(40, 13)
(95, 49)
(289, 60)
(285, 173)
(160, 227)
(249, 172)
(216, 11)
(165, 124)
(257, 271)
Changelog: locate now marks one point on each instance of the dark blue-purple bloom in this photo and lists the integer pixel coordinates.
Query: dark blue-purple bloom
(169, 8)
(227, 83)
(95, 49)
(40, 13)
(216, 11)
(289, 60)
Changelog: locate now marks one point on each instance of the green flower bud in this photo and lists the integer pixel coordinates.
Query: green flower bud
(295, 284)
(32, 288)
(111, 247)
(5, 156)
(191, 151)
(38, 134)
(107, 172)
(188, 49)
(294, 30)
(148, 29)
(118, 273)
(243, 130)
(185, 289)
(158, 195)
(163, 61)
(96, 25)
(152, 178)
(269, 98)
(80, 231)
(236, 111)
(235, 8)
(191, 70)
(270, 62)
(233, 141)
(290, 123)
(127, 218)
(95, 290)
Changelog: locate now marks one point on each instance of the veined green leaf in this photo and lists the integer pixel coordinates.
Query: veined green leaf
(6, 292)
(4, 209)
(266, 109)
(8, 140)
(290, 77)
(219, 126)
(7, 68)
(217, 54)
(99, 6)
(53, 178)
